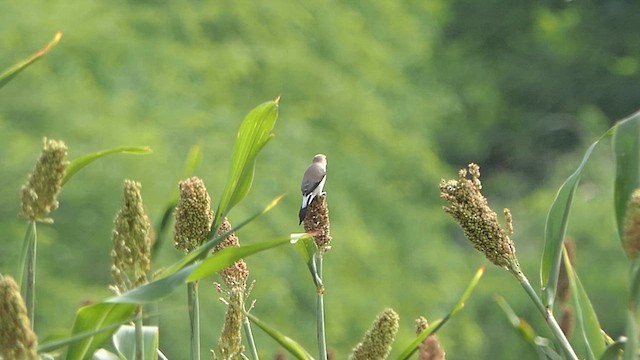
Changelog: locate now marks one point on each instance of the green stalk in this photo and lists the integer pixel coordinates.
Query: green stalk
(549, 318)
(246, 324)
(194, 318)
(322, 341)
(28, 269)
(139, 335)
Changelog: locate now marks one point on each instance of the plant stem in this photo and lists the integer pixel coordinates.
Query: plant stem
(246, 324)
(139, 335)
(28, 270)
(549, 318)
(322, 341)
(194, 318)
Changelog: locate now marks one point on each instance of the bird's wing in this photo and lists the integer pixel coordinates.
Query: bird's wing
(313, 177)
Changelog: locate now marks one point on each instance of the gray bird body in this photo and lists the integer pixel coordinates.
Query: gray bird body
(313, 182)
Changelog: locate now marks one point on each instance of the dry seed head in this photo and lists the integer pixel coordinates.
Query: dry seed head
(194, 216)
(632, 226)
(316, 222)
(17, 339)
(377, 342)
(40, 193)
(470, 209)
(430, 348)
(131, 240)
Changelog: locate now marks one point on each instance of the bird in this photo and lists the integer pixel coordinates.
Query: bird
(313, 182)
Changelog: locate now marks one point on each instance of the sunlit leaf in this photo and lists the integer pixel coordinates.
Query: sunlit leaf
(254, 133)
(289, 344)
(10, 73)
(93, 318)
(78, 163)
(437, 324)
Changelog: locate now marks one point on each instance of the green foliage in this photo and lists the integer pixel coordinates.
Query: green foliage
(394, 92)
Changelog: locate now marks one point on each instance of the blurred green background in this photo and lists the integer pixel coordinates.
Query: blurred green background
(397, 94)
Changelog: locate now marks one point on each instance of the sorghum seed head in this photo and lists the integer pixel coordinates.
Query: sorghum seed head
(131, 240)
(376, 344)
(316, 222)
(194, 216)
(17, 339)
(480, 224)
(40, 193)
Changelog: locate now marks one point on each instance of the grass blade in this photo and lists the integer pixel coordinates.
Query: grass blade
(587, 324)
(11, 72)
(78, 163)
(254, 133)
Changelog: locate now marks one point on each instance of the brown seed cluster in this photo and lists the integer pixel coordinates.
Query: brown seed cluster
(316, 222)
(237, 273)
(471, 211)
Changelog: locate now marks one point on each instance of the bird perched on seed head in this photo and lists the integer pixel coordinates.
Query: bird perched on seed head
(313, 182)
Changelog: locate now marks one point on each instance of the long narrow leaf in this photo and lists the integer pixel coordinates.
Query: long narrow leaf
(587, 324)
(626, 147)
(556, 227)
(85, 160)
(92, 318)
(227, 256)
(435, 325)
(10, 73)
(253, 135)
(289, 344)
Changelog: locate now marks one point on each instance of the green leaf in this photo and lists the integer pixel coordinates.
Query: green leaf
(96, 317)
(556, 227)
(289, 344)
(626, 147)
(155, 290)
(124, 340)
(85, 160)
(435, 325)
(253, 135)
(587, 324)
(10, 73)
(613, 351)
